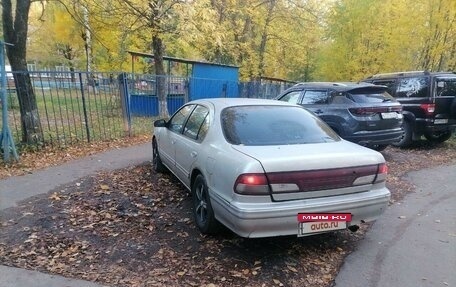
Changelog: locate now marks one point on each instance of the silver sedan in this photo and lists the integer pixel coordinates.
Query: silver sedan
(267, 168)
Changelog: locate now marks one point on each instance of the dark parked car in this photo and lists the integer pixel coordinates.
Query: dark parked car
(428, 100)
(359, 112)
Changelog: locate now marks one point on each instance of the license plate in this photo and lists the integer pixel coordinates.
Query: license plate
(391, 115)
(306, 228)
(440, 121)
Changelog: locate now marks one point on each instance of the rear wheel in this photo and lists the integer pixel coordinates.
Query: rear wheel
(406, 139)
(438, 137)
(202, 207)
(157, 164)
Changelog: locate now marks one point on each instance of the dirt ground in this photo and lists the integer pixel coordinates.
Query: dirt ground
(134, 227)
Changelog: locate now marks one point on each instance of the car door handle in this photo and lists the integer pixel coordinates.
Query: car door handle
(318, 111)
(193, 154)
(173, 141)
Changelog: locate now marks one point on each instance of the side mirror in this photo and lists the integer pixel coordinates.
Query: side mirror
(441, 84)
(160, 123)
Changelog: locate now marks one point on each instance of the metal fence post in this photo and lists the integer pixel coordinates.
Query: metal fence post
(5, 137)
(125, 102)
(84, 108)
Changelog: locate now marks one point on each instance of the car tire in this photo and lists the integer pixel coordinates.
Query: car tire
(379, 147)
(438, 137)
(406, 139)
(202, 208)
(157, 164)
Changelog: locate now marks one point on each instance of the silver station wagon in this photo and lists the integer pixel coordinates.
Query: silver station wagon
(267, 168)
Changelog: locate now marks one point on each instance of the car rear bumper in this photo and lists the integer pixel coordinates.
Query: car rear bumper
(430, 127)
(280, 218)
(370, 138)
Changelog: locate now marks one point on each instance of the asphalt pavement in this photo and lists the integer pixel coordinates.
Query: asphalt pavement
(15, 189)
(412, 244)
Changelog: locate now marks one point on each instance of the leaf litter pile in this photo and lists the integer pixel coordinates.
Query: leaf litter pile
(134, 227)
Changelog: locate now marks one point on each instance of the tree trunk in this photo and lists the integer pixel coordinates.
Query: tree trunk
(158, 49)
(87, 37)
(15, 32)
(264, 37)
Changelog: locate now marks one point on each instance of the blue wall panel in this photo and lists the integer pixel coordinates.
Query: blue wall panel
(147, 105)
(213, 81)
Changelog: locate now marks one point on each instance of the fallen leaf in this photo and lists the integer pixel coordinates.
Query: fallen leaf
(277, 282)
(292, 269)
(55, 196)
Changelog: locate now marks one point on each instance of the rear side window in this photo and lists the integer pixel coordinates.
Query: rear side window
(291, 97)
(273, 125)
(314, 97)
(415, 87)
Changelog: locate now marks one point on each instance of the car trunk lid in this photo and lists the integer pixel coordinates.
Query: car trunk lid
(316, 170)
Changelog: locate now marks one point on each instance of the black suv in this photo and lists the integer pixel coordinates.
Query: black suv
(359, 112)
(428, 101)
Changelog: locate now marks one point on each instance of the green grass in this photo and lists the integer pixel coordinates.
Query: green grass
(63, 121)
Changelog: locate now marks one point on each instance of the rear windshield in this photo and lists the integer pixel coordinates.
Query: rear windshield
(274, 125)
(372, 97)
(446, 87)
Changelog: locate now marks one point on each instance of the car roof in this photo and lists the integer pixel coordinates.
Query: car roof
(337, 86)
(230, 102)
(409, 73)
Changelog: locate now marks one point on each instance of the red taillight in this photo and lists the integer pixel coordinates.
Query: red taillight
(370, 111)
(381, 173)
(252, 184)
(363, 111)
(315, 180)
(429, 109)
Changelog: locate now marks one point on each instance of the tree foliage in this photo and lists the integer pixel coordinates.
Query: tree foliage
(368, 37)
(291, 39)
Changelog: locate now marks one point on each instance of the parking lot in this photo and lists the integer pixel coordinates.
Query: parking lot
(133, 227)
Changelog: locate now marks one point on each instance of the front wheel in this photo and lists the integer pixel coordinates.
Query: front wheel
(406, 139)
(438, 137)
(157, 164)
(202, 207)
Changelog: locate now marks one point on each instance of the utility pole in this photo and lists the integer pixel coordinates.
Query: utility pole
(6, 139)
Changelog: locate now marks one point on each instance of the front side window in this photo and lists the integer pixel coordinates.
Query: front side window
(273, 125)
(176, 123)
(413, 87)
(315, 97)
(291, 97)
(197, 120)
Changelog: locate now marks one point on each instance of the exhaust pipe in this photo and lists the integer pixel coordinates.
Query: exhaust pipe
(353, 228)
